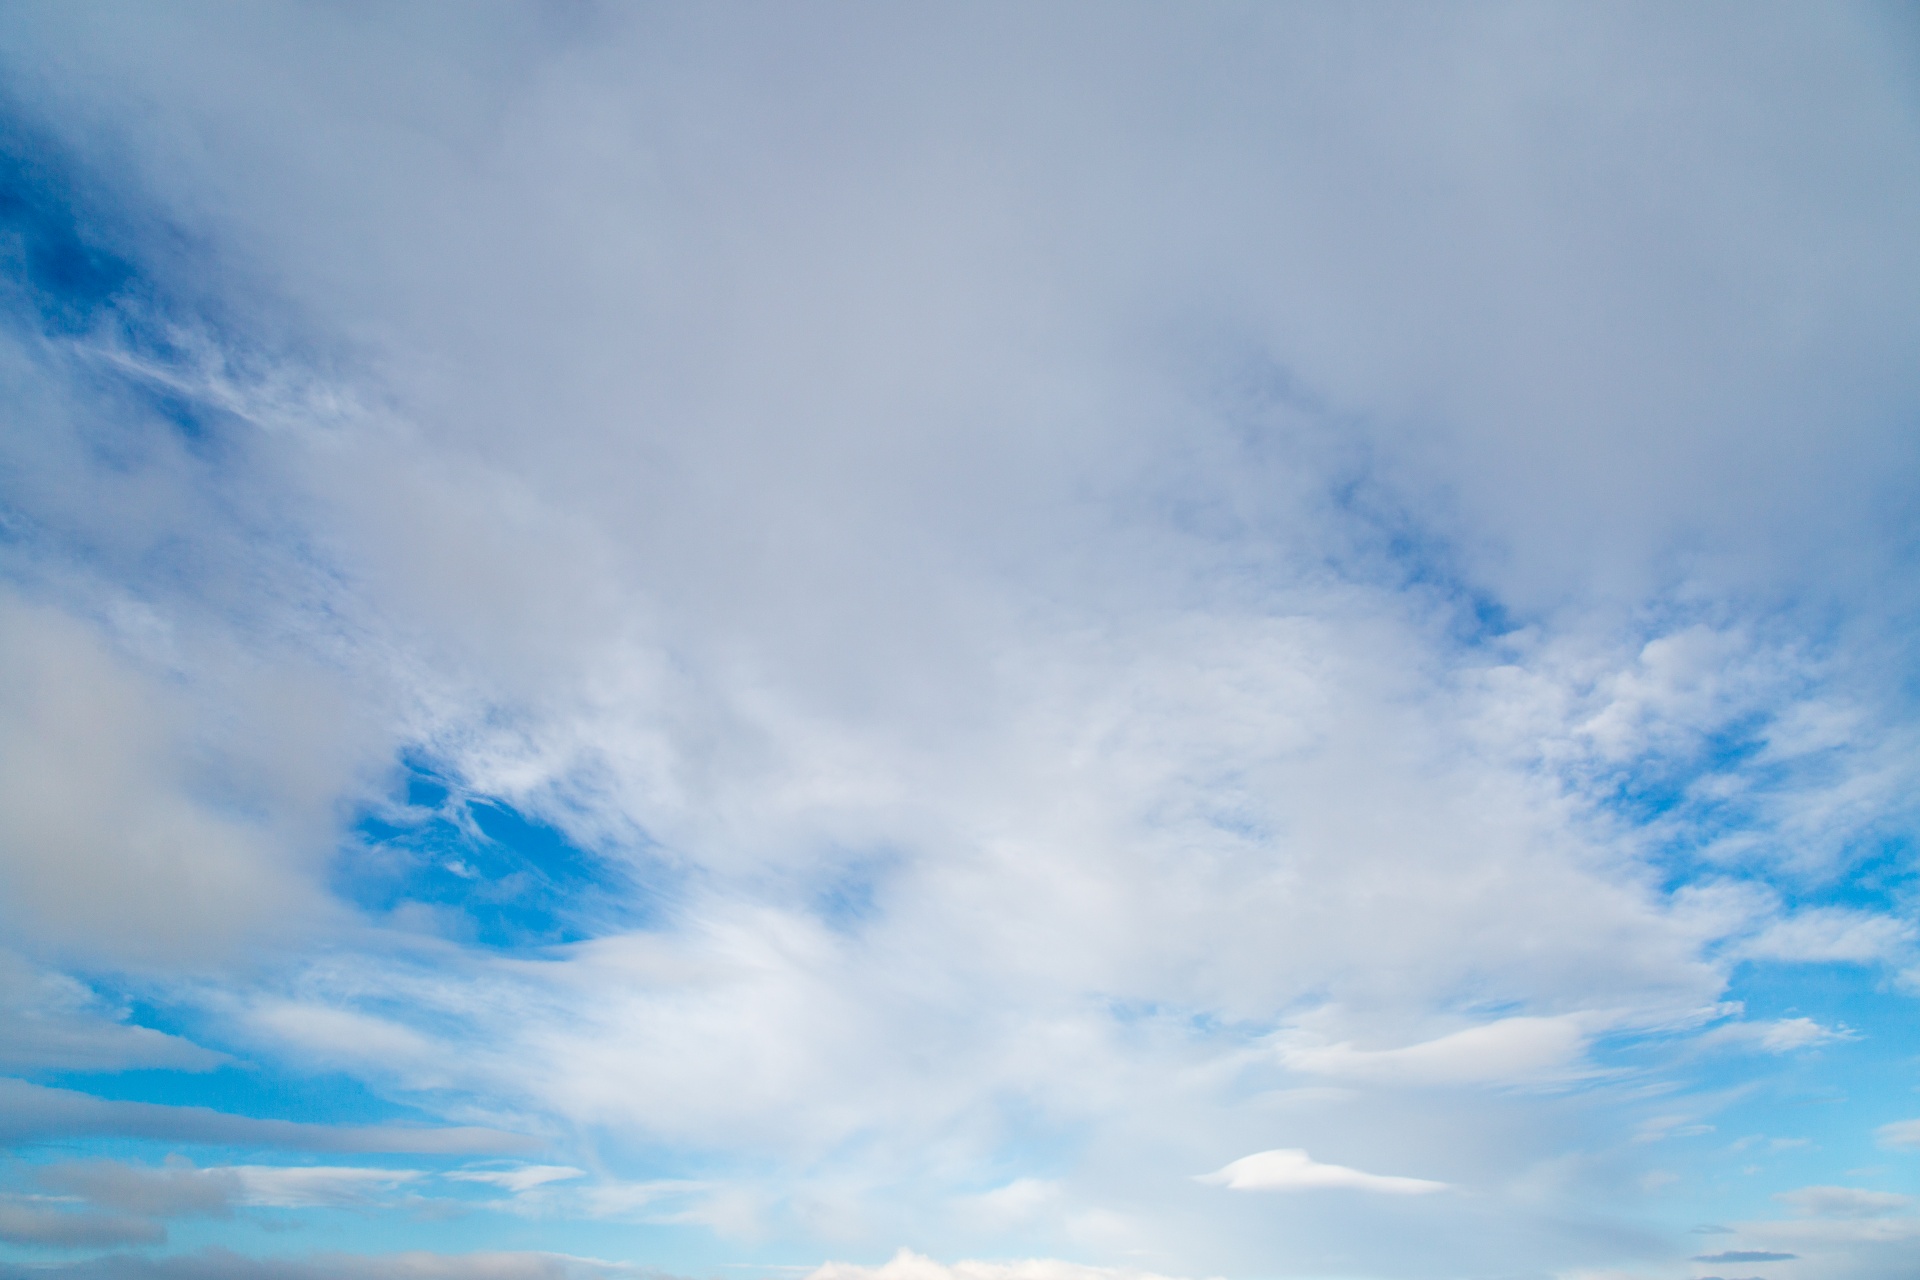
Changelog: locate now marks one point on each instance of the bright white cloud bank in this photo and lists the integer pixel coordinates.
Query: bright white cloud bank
(1297, 1171)
(908, 1265)
(986, 608)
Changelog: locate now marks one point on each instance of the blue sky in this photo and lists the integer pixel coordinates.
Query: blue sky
(959, 643)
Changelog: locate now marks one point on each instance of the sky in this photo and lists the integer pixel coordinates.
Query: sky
(959, 642)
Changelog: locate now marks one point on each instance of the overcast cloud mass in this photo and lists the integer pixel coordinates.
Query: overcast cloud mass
(992, 642)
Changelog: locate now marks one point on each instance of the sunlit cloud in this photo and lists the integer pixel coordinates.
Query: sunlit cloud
(1291, 1170)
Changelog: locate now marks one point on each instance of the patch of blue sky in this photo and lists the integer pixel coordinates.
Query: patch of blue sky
(462, 1225)
(85, 262)
(487, 873)
(1712, 807)
(1658, 783)
(1248, 532)
(201, 424)
(1738, 1121)
(256, 1089)
(96, 358)
(1883, 872)
(851, 899)
(1417, 558)
(1396, 543)
(1880, 878)
(148, 1151)
(64, 276)
(246, 1112)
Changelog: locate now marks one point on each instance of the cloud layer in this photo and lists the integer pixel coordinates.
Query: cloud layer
(841, 627)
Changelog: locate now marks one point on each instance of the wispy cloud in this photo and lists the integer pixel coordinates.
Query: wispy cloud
(1900, 1135)
(220, 1264)
(34, 1113)
(57, 1023)
(519, 1177)
(1522, 1050)
(1293, 1170)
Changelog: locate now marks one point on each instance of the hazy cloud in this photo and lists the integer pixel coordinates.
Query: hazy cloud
(1844, 1202)
(57, 1023)
(520, 1178)
(174, 1189)
(29, 1223)
(1512, 1051)
(1035, 595)
(34, 1113)
(220, 1264)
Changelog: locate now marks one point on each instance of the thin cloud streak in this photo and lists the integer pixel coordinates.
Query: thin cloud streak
(31, 1113)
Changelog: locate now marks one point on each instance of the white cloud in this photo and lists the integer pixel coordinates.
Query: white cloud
(316, 1186)
(1828, 934)
(1799, 1033)
(1292, 1170)
(1518, 1050)
(1053, 484)
(342, 1036)
(1901, 1134)
(110, 851)
(1844, 1202)
(907, 1265)
(519, 1178)
(1020, 1201)
(1660, 1128)
(1783, 1035)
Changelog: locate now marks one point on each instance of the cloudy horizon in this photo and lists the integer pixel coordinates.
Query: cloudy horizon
(973, 642)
